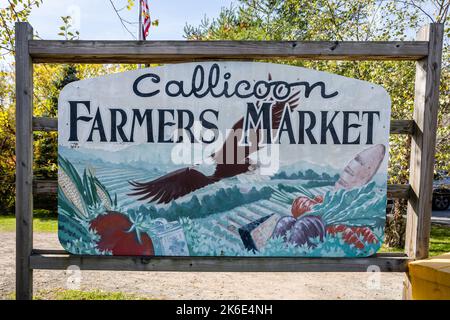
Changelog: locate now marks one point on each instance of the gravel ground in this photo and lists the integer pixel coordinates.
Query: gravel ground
(198, 285)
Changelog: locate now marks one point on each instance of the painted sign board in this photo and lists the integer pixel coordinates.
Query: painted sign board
(223, 159)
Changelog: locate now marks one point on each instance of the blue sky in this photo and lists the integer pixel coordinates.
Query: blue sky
(97, 19)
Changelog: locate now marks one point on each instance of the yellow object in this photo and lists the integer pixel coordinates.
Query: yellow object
(430, 278)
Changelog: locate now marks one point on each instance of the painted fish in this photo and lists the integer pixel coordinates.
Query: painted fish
(362, 168)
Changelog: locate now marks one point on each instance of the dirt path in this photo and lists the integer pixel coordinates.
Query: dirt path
(197, 285)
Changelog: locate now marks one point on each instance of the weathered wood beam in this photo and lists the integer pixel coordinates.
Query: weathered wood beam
(398, 191)
(402, 127)
(387, 262)
(45, 187)
(52, 51)
(24, 162)
(51, 124)
(45, 124)
(423, 143)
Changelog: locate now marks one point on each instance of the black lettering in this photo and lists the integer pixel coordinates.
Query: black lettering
(74, 118)
(328, 127)
(118, 128)
(163, 124)
(258, 120)
(370, 119)
(97, 125)
(187, 127)
(347, 127)
(286, 125)
(200, 87)
(155, 79)
(303, 130)
(199, 76)
(209, 125)
(140, 119)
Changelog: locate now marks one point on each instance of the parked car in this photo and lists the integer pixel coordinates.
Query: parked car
(441, 191)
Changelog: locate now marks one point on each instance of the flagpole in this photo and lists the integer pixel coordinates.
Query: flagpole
(140, 28)
(140, 21)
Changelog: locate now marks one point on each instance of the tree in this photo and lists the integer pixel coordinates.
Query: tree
(49, 79)
(15, 10)
(311, 175)
(349, 20)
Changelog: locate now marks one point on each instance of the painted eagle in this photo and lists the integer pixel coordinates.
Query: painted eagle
(186, 180)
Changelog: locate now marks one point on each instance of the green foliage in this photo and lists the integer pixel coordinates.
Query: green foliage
(130, 4)
(66, 29)
(354, 207)
(332, 245)
(364, 20)
(49, 79)
(14, 11)
(344, 20)
(80, 200)
(221, 201)
(82, 197)
(46, 146)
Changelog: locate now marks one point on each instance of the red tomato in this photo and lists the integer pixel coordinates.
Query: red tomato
(112, 229)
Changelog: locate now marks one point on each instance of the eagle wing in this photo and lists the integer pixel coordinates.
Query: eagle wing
(170, 186)
(240, 152)
(183, 181)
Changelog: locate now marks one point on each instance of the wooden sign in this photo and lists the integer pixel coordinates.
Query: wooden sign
(223, 159)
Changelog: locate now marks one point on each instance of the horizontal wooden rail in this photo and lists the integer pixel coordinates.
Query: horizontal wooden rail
(52, 260)
(51, 124)
(398, 191)
(402, 127)
(49, 187)
(45, 124)
(84, 51)
(45, 187)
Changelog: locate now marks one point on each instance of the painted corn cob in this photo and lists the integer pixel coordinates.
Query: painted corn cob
(71, 192)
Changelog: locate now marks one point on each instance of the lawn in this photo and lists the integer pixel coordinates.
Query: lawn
(439, 241)
(62, 294)
(43, 222)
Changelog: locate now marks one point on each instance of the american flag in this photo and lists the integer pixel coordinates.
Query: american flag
(146, 21)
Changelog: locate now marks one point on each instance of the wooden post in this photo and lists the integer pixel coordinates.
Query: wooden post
(426, 105)
(24, 162)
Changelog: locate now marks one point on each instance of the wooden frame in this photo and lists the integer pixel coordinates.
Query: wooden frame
(427, 52)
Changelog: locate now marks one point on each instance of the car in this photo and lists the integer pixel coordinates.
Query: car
(441, 191)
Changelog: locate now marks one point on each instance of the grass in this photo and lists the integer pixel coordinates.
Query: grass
(43, 221)
(62, 294)
(385, 248)
(439, 241)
